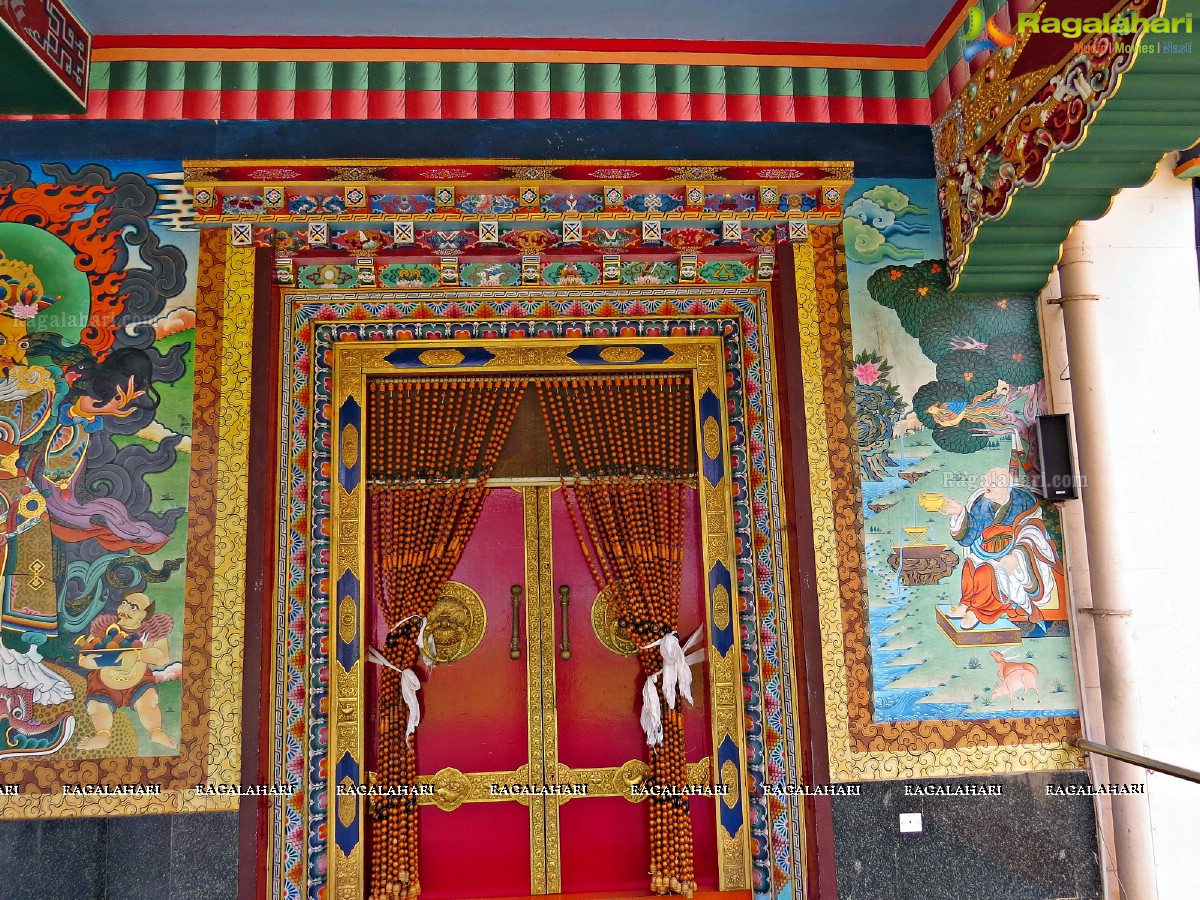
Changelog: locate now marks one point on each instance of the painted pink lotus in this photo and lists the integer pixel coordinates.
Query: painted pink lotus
(866, 373)
(24, 310)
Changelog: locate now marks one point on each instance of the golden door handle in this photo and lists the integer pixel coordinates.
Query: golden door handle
(564, 597)
(514, 647)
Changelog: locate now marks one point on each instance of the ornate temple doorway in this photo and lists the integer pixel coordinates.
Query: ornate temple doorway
(545, 563)
(467, 268)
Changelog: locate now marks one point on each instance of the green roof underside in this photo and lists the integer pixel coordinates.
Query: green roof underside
(1156, 109)
(27, 86)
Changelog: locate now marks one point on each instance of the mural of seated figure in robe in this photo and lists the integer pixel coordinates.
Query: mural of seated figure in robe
(1011, 567)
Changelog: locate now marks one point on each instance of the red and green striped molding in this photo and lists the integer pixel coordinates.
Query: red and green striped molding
(881, 91)
(465, 90)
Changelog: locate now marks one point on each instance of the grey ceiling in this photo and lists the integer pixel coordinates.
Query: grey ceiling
(887, 22)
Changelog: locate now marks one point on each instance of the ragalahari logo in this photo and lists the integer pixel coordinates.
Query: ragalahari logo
(983, 34)
(1125, 32)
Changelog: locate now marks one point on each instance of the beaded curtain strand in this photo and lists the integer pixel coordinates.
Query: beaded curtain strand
(621, 447)
(434, 442)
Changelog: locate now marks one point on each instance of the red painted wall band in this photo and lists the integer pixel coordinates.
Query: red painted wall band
(567, 105)
(163, 105)
(201, 104)
(743, 108)
(674, 107)
(358, 105)
(350, 104)
(386, 105)
(496, 105)
(423, 104)
(531, 104)
(601, 105)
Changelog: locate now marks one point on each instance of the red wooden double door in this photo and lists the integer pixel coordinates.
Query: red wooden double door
(530, 735)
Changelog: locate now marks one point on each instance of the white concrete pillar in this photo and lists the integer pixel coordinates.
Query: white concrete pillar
(1083, 631)
(1134, 359)
(1081, 299)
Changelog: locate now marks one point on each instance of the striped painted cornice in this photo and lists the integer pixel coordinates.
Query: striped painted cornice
(241, 79)
(465, 90)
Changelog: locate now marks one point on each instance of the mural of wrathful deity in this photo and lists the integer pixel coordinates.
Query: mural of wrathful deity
(964, 562)
(96, 337)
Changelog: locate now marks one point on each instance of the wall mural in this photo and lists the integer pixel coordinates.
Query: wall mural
(97, 337)
(967, 616)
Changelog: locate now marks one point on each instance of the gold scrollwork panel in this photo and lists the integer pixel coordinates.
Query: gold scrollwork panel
(545, 850)
(620, 781)
(450, 788)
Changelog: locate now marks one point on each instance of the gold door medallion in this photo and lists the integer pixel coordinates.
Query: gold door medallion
(455, 624)
(604, 623)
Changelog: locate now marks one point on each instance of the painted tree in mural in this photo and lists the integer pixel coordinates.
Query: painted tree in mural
(84, 282)
(880, 409)
(989, 362)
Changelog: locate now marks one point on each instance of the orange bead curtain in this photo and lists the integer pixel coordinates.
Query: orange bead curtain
(622, 448)
(434, 442)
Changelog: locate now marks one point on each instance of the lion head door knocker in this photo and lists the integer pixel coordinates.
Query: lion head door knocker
(456, 624)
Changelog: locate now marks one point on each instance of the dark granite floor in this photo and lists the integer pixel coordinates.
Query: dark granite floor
(181, 857)
(1021, 845)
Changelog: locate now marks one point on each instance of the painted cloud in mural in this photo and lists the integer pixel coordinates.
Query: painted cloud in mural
(875, 218)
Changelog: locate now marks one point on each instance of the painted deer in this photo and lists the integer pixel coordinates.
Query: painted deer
(1015, 676)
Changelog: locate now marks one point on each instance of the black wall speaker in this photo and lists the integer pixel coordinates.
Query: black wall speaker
(1056, 480)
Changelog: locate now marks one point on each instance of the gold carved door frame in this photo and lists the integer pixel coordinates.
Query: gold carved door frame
(703, 358)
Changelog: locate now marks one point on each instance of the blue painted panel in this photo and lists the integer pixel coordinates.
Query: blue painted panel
(589, 355)
(351, 416)
(710, 408)
(731, 817)
(347, 651)
(346, 835)
(878, 151)
(722, 638)
(410, 357)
